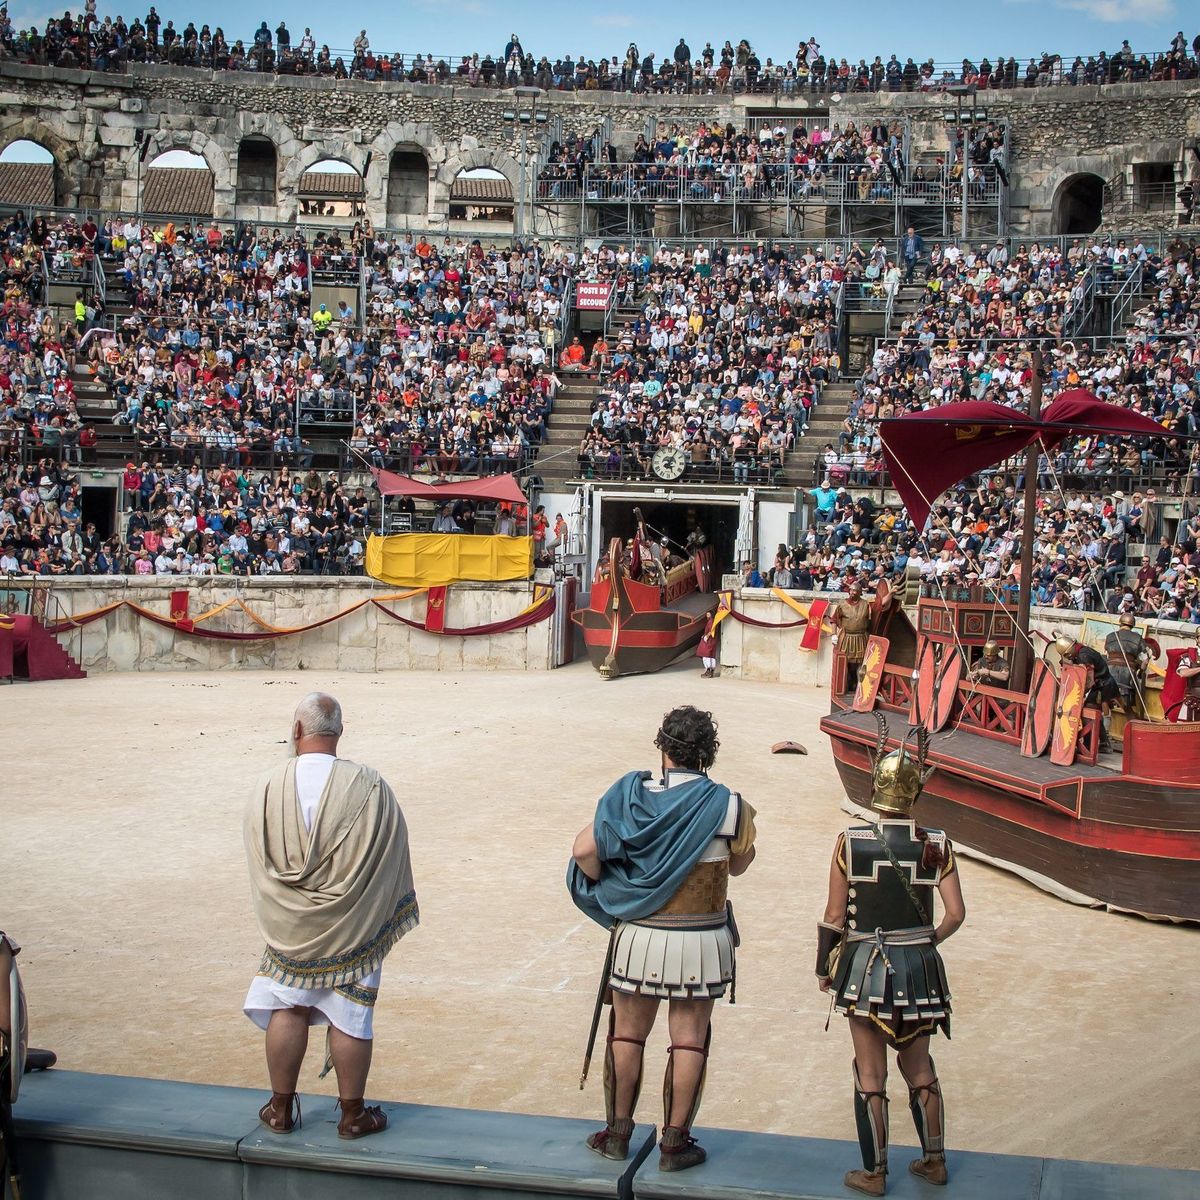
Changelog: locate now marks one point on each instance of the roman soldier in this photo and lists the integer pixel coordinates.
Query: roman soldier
(852, 617)
(653, 868)
(1101, 686)
(992, 667)
(1188, 669)
(1127, 655)
(877, 952)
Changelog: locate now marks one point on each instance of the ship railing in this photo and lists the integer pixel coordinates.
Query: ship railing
(990, 712)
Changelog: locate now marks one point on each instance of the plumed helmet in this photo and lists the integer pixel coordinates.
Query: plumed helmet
(991, 649)
(1064, 645)
(898, 776)
(1126, 621)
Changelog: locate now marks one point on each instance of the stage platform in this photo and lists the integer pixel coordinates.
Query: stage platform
(115, 1138)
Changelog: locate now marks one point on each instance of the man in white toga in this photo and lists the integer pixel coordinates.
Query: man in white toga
(327, 849)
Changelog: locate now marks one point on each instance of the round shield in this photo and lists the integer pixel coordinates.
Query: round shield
(18, 1039)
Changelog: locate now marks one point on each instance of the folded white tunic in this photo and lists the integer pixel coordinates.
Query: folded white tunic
(349, 1008)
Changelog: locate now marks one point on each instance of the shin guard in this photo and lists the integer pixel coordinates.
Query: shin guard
(871, 1121)
(669, 1083)
(610, 1074)
(928, 1111)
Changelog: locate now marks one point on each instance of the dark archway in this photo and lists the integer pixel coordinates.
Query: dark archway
(408, 185)
(257, 168)
(1079, 204)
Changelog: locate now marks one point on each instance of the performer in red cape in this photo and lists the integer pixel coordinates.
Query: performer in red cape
(706, 650)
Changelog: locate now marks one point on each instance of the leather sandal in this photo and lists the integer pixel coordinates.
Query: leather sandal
(39, 1060)
(359, 1120)
(276, 1114)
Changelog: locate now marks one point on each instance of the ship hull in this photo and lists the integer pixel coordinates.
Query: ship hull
(1091, 836)
(634, 628)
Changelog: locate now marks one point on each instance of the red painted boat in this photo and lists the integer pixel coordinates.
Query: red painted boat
(633, 627)
(1121, 831)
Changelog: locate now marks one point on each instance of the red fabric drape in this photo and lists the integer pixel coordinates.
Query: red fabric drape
(1174, 685)
(927, 452)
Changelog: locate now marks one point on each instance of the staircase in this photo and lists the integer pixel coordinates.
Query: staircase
(558, 460)
(824, 425)
(37, 654)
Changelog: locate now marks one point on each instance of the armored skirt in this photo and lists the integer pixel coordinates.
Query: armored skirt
(673, 964)
(896, 981)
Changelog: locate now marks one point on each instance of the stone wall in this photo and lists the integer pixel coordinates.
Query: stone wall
(88, 121)
(366, 640)
(774, 656)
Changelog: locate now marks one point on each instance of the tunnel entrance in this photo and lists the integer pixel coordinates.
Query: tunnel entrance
(1079, 205)
(675, 519)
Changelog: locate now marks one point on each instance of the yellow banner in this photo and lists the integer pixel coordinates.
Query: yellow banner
(438, 559)
(797, 606)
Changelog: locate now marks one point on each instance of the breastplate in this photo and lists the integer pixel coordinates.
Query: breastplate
(878, 898)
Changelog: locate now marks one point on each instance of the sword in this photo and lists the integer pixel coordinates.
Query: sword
(601, 992)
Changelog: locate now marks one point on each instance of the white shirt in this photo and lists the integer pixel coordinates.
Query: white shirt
(312, 774)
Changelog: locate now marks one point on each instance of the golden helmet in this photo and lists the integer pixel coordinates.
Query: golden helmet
(1064, 645)
(1126, 621)
(898, 777)
(991, 649)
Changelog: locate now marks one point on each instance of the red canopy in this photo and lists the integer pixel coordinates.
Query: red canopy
(929, 451)
(504, 488)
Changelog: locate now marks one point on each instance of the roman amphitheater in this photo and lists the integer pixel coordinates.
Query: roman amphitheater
(207, 499)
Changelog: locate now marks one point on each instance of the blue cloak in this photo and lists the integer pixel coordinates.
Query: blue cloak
(648, 842)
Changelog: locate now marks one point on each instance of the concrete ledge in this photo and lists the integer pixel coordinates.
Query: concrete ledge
(110, 1137)
(760, 1166)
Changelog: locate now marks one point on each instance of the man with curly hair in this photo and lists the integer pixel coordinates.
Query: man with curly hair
(653, 867)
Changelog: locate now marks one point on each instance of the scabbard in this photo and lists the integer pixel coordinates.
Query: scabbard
(598, 1010)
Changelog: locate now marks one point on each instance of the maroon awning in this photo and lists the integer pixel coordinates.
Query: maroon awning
(927, 452)
(502, 488)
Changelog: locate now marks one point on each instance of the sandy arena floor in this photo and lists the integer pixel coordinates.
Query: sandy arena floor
(1074, 1035)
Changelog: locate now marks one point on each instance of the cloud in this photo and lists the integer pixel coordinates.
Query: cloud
(1121, 10)
(613, 20)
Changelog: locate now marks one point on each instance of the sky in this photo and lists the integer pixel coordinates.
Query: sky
(943, 29)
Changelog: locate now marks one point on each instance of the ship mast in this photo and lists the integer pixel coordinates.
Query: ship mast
(1021, 648)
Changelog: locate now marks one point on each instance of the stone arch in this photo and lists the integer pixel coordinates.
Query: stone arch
(68, 165)
(263, 128)
(470, 157)
(214, 154)
(1078, 206)
(402, 137)
(311, 153)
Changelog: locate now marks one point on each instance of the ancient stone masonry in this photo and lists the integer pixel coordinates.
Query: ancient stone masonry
(90, 123)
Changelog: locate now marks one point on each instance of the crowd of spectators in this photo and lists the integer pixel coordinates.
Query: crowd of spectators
(184, 521)
(1081, 555)
(223, 365)
(109, 44)
(1090, 541)
(724, 361)
(822, 162)
(223, 369)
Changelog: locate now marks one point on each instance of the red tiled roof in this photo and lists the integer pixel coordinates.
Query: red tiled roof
(331, 184)
(27, 183)
(178, 191)
(480, 191)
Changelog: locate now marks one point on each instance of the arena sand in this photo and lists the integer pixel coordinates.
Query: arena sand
(1075, 1031)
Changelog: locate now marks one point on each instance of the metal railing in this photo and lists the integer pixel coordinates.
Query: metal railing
(746, 74)
(757, 183)
(99, 281)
